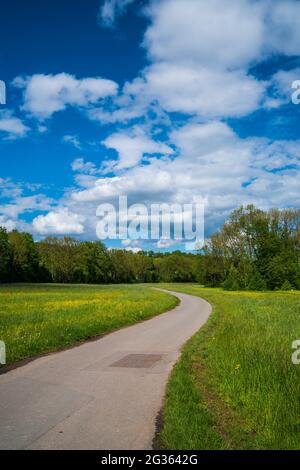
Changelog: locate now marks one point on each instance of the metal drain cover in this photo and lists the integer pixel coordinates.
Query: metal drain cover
(139, 361)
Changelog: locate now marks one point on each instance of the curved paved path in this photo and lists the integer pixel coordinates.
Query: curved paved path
(100, 395)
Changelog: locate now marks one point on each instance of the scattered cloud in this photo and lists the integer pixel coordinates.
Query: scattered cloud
(7, 223)
(194, 90)
(233, 36)
(227, 36)
(42, 129)
(59, 222)
(206, 73)
(163, 244)
(132, 245)
(79, 164)
(281, 87)
(110, 10)
(131, 147)
(134, 249)
(45, 95)
(73, 140)
(282, 34)
(212, 165)
(11, 126)
(19, 199)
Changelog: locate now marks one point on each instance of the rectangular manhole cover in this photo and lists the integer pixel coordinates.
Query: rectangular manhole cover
(137, 361)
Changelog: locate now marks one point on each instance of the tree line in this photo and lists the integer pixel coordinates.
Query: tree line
(67, 260)
(253, 250)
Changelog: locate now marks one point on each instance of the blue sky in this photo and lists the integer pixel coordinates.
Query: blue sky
(173, 101)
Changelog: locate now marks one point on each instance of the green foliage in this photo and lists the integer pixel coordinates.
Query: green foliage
(244, 277)
(263, 247)
(94, 263)
(24, 262)
(214, 268)
(286, 286)
(257, 282)
(67, 260)
(5, 256)
(177, 267)
(232, 280)
(70, 261)
(283, 267)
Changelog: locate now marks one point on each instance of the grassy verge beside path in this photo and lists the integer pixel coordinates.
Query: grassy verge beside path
(235, 386)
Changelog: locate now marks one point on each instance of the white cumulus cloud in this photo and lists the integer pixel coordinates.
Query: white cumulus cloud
(59, 222)
(132, 147)
(45, 95)
(218, 35)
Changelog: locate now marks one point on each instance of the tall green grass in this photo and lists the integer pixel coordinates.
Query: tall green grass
(36, 319)
(235, 386)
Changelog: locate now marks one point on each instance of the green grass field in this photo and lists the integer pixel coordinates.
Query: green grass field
(235, 386)
(36, 319)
